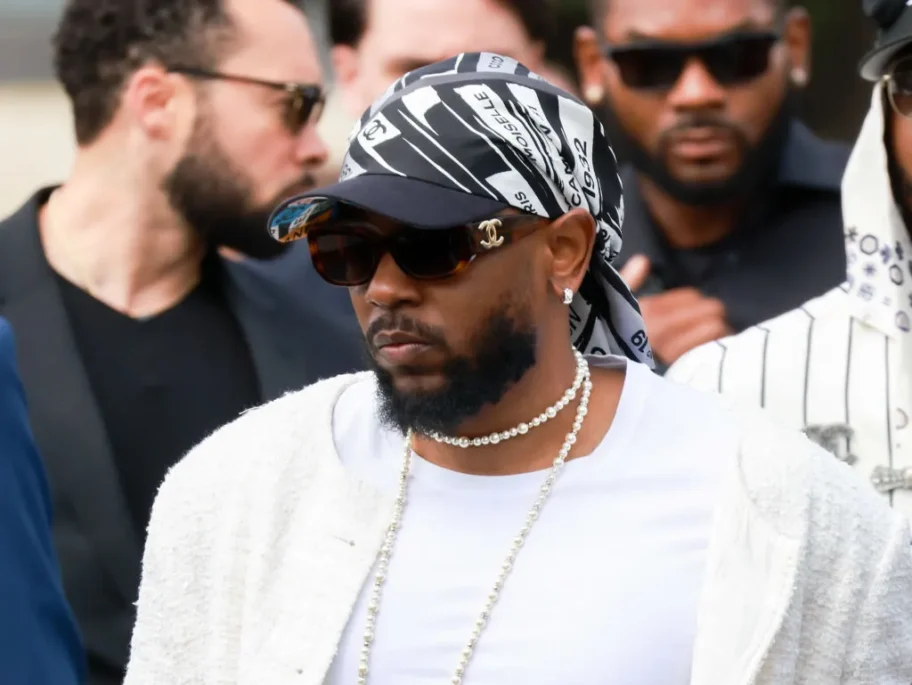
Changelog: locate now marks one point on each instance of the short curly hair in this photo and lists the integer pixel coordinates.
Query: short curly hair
(100, 43)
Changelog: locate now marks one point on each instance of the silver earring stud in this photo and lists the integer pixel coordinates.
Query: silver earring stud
(568, 296)
(593, 95)
(799, 77)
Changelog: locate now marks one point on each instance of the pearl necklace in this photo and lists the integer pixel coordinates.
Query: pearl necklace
(523, 428)
(386, 550)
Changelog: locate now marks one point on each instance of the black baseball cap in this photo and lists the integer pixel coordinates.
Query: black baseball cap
(458, 142)
(462, 140)
(894, 23)
(412, 201)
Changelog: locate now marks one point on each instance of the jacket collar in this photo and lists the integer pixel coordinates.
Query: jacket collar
(759, 540)
(878, 247)
(67, 423)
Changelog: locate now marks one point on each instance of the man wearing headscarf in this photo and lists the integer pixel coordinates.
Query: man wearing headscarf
(733, 204)
(840, 366)
(511, 496)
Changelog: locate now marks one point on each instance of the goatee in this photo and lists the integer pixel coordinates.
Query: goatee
(504, 351)
(759, 165)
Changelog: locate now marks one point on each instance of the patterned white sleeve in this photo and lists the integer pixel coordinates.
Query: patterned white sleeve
(700, 368)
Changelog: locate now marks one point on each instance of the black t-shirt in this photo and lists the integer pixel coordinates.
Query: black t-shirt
(164, 383)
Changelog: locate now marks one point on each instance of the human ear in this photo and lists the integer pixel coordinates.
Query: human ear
(590, 65)
(570, 239)
(797, 39)
(157, 102)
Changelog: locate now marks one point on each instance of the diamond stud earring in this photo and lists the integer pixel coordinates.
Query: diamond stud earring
(568, 296)
(593, 95)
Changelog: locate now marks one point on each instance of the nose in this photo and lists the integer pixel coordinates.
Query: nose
(696, 89)
(310, 149)
(390, 287)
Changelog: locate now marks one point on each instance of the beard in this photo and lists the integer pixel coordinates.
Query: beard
(215, 197)
(759, 162)
(504, 349)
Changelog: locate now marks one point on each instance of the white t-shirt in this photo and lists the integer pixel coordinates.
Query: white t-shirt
(606, 588)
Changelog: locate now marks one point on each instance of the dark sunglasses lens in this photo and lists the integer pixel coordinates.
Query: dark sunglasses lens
(301, 108)
(342, 257)
(731, 61)
(650, 68)
(738, 60)
(432, 254)
(900, 88)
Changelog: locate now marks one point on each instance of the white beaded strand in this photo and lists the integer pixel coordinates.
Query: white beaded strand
(373, 605)
(386, 549)
(523, 428)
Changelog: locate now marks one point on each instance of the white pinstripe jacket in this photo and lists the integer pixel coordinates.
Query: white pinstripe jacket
(839, 367)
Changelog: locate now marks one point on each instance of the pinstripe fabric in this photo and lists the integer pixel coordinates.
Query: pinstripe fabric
(839, 367)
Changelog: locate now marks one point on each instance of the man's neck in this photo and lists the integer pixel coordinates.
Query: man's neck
(119, 240)
(687, 226)
(538, 449)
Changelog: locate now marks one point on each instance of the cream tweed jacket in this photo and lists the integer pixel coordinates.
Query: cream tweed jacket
(260, 541)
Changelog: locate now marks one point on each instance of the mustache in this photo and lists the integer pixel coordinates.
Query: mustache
(703, 120)
(394, 321)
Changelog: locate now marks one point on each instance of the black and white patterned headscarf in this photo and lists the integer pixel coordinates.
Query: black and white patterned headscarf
(484, 125)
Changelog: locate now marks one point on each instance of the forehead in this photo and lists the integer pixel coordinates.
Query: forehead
(683, 20)
(274, 42)
(400, 29)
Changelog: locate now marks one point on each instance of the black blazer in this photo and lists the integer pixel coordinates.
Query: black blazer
(294, 340)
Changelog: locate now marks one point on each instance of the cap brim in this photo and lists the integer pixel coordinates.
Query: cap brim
(405, 200)
(889, 43)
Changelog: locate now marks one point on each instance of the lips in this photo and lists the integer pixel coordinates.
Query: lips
(398, 347)
(388, 338)
(701, 143)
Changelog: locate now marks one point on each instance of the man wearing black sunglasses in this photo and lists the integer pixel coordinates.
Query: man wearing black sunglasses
(840, 366)
(733, 205)
(512, 496)
(192, 118)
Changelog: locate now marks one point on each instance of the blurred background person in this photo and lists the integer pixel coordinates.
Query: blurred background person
(375, 42)
(39, 642)
(733, 211)
(840, 366)
(193, 118)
